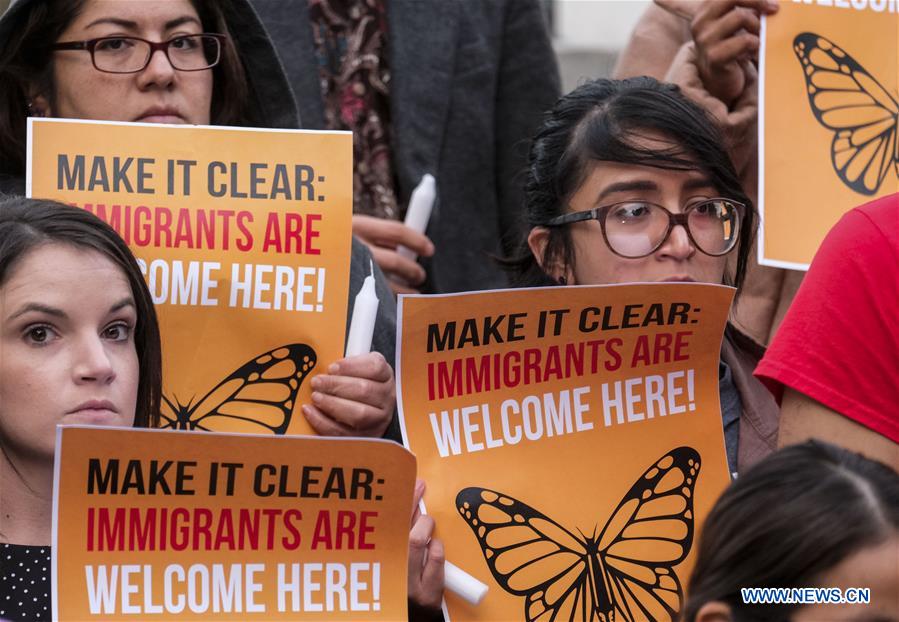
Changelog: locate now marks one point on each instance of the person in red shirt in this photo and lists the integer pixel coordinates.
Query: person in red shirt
(834, 362)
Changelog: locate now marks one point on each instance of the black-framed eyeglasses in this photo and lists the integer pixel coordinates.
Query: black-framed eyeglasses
(635, 229)
(132, 54)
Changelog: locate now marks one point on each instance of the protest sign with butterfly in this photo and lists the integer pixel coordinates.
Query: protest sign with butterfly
(828, 122)
(244, 238)
(571, 440)
(159, 525)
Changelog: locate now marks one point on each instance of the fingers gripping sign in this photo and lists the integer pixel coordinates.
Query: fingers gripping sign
(726, 37)
(738, 121)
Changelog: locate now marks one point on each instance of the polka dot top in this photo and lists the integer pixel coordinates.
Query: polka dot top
(24, 582)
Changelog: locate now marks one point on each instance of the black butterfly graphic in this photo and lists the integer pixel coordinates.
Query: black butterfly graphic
(863, 114)
(624, 574)
(258, 397)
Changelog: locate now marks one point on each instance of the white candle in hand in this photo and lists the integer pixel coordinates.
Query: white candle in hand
(365, 311)
(463, 584)
(419, 211)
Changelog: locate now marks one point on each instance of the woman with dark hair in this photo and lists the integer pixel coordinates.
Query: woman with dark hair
(178, 61)
(630, 181)
(829, 518)
(38, 82)
(79, 343)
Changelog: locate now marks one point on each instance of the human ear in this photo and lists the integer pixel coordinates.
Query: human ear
(38, 106)
(538, 238)
(713, 611)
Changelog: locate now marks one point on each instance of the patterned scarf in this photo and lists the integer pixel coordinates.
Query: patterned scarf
(351, 42)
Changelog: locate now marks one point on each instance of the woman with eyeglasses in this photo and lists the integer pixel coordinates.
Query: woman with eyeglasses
(179, 61)
(96, 59)
(629, 181)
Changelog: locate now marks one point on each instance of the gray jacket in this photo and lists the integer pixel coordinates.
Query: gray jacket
(470, 80)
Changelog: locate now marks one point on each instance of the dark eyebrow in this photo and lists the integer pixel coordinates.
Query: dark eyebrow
(115, 21)
(124, 302)
(125, 23)
(646, 185)
(34, 306)
(626, 186)
(181, 21)
(40, 308)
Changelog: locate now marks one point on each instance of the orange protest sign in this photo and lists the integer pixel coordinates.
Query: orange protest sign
(571, 439)
(163, 525)
(828, 121)
(244, 239)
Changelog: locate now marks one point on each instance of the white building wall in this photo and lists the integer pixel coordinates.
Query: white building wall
(596, 24)
(589, 34)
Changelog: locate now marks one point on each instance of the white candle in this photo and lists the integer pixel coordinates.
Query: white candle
(365, 311)
(463, 584)
(419, 211)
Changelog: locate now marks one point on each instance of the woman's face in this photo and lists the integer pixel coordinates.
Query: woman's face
(876, 568)
(67, 352)
(158, 94)
(677, 259)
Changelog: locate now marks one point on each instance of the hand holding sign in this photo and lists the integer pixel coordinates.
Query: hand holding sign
(726, 34)
(738, 122)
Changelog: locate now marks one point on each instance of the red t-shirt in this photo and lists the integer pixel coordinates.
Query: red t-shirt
(839, 342)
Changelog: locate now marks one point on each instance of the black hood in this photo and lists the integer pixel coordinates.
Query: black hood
(270, 95)
(271, 98)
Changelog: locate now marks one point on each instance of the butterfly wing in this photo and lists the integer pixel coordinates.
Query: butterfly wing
(169, 414)
(845, 98)
(259, 396)
(650, 532)
(533, 556)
